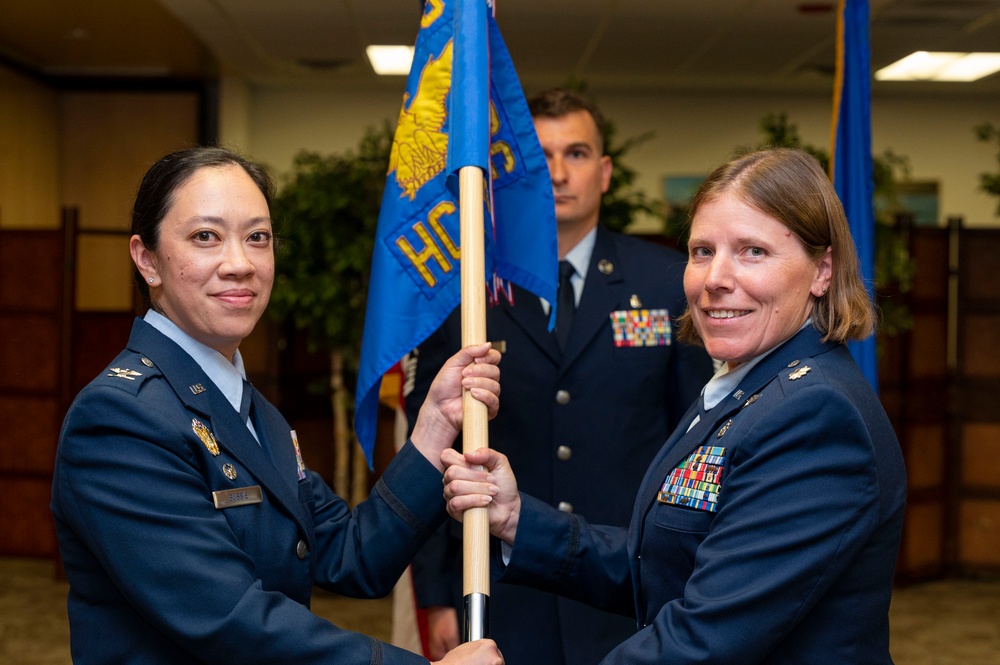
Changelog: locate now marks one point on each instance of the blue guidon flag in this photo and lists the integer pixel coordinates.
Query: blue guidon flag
(851, 157)
(463, 106)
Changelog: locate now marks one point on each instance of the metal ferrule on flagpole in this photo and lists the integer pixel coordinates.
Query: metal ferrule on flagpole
(477, 617)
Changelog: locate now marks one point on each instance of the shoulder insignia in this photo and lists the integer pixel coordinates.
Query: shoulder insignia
(799, 373)
(123, 373)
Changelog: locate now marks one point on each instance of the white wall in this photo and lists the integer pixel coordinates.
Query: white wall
(692, 132)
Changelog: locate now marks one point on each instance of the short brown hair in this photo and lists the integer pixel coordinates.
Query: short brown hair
(558, 102)
(790, 186)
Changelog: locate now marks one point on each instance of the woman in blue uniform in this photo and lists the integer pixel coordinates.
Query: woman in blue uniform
(766, 529)
(189, 526)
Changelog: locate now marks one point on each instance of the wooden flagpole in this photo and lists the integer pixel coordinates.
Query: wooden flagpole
(475, 435)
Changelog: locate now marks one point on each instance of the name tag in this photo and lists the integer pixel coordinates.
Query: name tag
(241, 496)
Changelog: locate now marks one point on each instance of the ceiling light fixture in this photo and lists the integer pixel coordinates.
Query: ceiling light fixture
(390, 60)
(941, 66)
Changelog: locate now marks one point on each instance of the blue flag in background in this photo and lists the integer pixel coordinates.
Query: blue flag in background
(851, 159)
(463, 106)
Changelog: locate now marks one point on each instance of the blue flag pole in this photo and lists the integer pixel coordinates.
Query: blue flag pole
(469, 156)
(851, 157)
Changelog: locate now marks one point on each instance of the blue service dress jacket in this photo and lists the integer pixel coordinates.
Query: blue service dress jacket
(184, 541)
(768, 533)
(579, 427)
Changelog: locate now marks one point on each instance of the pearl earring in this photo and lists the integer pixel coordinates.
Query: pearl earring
(150, 280)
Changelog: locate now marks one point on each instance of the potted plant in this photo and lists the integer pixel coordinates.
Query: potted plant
(327, 212)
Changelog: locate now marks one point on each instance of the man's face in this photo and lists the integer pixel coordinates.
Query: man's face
(580, 172)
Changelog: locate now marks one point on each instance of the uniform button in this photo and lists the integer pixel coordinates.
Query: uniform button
(301, 549)
(565, 506)
(562, 397)
(564, 453)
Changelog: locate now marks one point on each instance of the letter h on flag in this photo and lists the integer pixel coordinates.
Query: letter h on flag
(851, 160)
(463, 106)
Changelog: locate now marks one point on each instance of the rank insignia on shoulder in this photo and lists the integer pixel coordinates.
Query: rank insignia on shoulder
(799, 373)
(206, 436)
(123, 373)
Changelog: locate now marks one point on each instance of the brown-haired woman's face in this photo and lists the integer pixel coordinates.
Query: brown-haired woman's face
(749, 282)
(214, 267)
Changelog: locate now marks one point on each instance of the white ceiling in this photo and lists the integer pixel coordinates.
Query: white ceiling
(729, 45)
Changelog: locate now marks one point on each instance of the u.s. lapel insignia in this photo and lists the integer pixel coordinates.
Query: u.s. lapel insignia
(799, 373)
(738, 394)
(124, 373)
(229, 470)
(197, 388)
(724, 429)
(205, 436)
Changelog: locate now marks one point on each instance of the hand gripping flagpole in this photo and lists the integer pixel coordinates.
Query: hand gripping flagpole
(475, 435)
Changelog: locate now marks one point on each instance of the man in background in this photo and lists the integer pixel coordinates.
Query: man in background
(585, 407)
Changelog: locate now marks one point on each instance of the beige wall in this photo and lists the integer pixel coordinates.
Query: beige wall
(85, 150)
(692, 132)
(29, 154)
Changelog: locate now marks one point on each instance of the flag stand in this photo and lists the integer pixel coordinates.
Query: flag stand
(475, 417)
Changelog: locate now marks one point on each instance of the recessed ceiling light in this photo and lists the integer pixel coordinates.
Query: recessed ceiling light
(390, 60)
(941, 66)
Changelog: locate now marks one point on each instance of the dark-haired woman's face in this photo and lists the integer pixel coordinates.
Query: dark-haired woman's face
(214, 267)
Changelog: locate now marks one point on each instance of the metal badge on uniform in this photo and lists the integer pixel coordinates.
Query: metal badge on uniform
(146, 361)
(724, 428)
(799, 373)
(241, 496)
(124, 373)
(641, 327)
(298, 457)
(206, 436)
(696, 481)
(750, 400)
(229, 470)
(606, 267)
(197, 388)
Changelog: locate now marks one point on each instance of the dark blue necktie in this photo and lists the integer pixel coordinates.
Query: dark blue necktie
(246, 402)
(565, 303)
